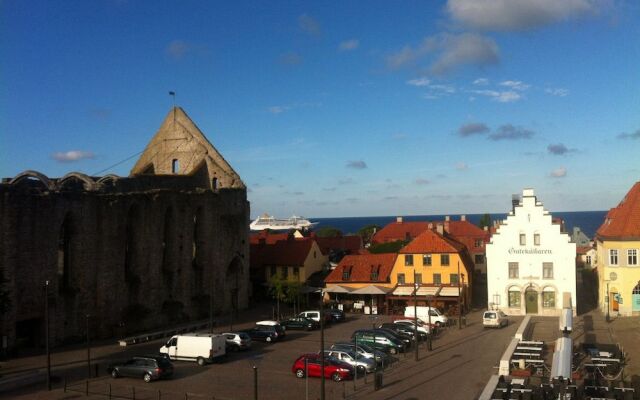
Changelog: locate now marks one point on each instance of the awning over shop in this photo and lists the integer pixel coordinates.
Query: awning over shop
(403, 291)
(449, 292)
(428, 291)
(338, 289)
(310, 289)
(372, 289)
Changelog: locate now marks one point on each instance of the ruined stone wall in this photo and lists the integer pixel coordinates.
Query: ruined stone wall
(132, 260)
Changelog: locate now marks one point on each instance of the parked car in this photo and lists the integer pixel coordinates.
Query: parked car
(315, 315)
(437, 317)
(237, 341)
(272, 326)
(262, 334)
(407, 340)
(377, 340)
(300, 323)
(494, 319)
(423, 327)
(364, 350)
(408, 330)
(357, 361)
(336, 315)
(148, 368)
(333, 368)
(201, 348)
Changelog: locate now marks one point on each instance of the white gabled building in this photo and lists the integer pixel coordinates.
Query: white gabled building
(531, 263)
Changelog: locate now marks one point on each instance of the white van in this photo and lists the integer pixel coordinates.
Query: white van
(437, 318)
(200, 348)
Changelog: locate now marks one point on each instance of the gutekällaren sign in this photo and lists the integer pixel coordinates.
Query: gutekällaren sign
(530, 250)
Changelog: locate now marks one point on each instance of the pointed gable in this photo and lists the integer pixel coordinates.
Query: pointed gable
(180, 148)
(623, 222)
(368, 268)
(432, 242)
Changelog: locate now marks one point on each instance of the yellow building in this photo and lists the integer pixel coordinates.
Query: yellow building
(441, 266)
(292, 259)
(618, 247)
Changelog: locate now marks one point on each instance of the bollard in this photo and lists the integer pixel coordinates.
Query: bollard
(344, 390)
(109, 391)
(159, 394)
(186, 396)
(86, 388)
(97, 369)
(65, 384)
(133, 393)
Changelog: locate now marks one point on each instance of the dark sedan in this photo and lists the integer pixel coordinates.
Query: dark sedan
(336, 315)
(148, 368)
(300, 323)
(264, 335)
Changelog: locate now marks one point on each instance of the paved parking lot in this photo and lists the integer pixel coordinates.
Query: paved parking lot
(457, 368)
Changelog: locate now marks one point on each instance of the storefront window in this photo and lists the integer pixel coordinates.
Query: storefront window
(514, 298)
(548, 299)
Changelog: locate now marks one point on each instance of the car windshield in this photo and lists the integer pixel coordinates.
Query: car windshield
(366, 348)
(489, 315)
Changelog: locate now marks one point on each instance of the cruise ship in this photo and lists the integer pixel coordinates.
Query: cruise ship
(266, 221)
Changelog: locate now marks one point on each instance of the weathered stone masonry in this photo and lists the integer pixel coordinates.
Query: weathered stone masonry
(133, 252)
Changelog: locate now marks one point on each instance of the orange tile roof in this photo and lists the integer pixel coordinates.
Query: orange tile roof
(350, 243)
(432, 242)
(583, 249)
(267, 237)
(623, 221)
(361, 266)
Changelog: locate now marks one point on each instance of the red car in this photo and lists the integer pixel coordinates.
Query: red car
(333, 368)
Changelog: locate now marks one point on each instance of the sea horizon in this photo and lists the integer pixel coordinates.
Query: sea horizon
(587, 221)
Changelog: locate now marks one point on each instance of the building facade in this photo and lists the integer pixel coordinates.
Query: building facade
(167, 244)
(618, 252)
(531, 263)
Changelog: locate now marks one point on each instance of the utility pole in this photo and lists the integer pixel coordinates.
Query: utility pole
(46, 332)
(459, 302)
(415, 313)
(322, 345)
(88, 350)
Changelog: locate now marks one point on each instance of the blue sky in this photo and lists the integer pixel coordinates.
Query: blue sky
(338, 108)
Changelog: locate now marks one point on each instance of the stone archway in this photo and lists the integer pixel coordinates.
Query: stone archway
(531, 296)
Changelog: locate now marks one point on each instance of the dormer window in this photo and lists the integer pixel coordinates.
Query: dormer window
(346, 273)
(375, 271)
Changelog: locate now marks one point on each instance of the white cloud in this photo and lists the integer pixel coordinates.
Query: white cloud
(510, 132)
(517, 15)
(399, 136)
(449, 52)
(422, 181)
(449, 89)
(473, 128)
(359, 164)
(461, 166)
(499, 96)
(278, 109)
(291, 58)
(515, 85)
(73, 155)
(309, 25)
(349, 45)
(559, 172)
(419, 82)
(481, 82)
(557, 92)
(177, 49)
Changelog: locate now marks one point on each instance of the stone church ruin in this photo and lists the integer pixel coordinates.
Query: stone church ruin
(162, 246)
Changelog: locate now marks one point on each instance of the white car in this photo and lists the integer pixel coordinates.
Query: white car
(494, 319)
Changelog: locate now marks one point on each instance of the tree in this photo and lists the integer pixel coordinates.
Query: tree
(391, 247)
(367, 232)
(328, 231)
(278, 290)
(485, 220)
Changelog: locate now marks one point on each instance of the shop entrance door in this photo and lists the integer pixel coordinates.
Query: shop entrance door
(531, 301)
(635, 298)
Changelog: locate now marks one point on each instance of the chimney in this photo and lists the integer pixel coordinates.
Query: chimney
(447, 218)
(440, 229)
(515, 201)
(463, 217)
(485, 228)
(399, 220)
(430, 226)
(446, 226)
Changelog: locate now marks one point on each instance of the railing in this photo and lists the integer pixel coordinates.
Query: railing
(114, 391)
(146, 337)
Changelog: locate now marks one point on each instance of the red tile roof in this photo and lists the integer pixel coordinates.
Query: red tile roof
(361, 266)
(399, 231)
(583, 249)
(432, 242)
(623, 222)
(284, 252)
(267, 237)
(351, 243)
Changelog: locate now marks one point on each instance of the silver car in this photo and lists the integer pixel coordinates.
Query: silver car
(363, 350)
(361, 363)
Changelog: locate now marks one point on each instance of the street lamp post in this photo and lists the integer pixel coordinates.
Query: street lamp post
(415, 313)
(46, 332)
(88, 350)
(429, 347)
(255, 382)
(608, 302)
(322, 394)
(459, 302)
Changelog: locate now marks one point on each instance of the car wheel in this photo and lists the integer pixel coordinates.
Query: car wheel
(300, 373)
(361, 370)
(200, 361)
(336, 377)
(393, 350)
(147, 377)
(114, 373)
(268, 339)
